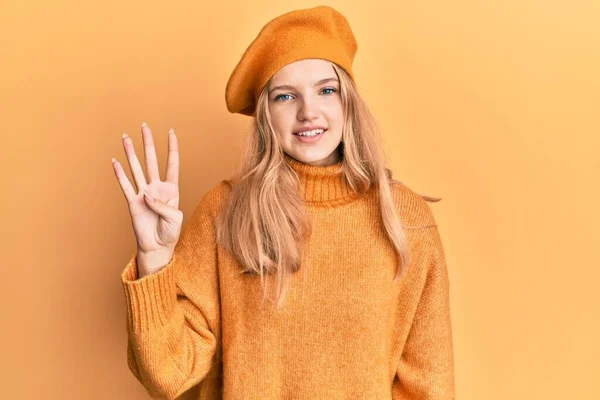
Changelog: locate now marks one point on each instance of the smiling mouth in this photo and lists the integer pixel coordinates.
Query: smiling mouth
(314, 133)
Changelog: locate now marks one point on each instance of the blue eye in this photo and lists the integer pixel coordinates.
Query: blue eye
(277, 97)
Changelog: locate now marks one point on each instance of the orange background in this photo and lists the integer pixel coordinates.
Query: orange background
(492, 105)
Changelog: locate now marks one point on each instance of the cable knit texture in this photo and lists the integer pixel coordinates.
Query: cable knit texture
(344, 331)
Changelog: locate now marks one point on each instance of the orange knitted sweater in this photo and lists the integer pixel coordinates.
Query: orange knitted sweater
(344, 330)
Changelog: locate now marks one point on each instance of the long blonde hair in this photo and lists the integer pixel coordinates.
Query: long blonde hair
(264, 223)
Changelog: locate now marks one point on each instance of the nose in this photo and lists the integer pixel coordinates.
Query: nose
(308, 110)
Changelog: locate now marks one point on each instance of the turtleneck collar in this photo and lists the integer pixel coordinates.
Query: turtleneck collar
(322, 186)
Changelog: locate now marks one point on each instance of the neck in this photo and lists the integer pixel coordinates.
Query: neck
(322, 185)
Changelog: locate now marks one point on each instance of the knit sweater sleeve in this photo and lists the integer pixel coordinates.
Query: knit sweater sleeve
(173, 316)
(426, 367)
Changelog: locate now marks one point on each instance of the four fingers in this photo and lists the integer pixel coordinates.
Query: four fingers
(151, 163)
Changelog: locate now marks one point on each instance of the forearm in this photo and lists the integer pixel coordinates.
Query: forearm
(152, 262)
(166, 354)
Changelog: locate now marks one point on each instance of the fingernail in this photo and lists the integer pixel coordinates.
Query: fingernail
(171, 130)
(124, 135)
(144, 125)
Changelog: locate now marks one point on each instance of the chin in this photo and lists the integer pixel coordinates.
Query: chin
(313, 157)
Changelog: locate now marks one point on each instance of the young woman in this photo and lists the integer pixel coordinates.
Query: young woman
(350, 260)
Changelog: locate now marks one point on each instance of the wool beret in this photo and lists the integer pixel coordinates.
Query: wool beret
(320, 32)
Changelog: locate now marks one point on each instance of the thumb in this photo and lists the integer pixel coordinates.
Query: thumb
(168, 213)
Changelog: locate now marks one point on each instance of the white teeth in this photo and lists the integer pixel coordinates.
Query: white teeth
(314, 132)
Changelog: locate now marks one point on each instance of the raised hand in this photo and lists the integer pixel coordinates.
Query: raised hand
(154, 209)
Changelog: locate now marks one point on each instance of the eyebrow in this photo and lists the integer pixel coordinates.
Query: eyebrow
(322, 81)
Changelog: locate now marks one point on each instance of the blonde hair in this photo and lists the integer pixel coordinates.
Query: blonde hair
(264, 223)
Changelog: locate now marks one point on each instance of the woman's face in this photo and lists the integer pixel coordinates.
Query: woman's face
(309, 99)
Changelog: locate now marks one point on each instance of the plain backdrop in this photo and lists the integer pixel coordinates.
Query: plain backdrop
(492, 105)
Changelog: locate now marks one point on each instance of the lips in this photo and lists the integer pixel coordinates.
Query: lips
(308, 130)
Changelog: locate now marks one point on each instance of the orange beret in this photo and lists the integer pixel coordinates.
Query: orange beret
(318, 32)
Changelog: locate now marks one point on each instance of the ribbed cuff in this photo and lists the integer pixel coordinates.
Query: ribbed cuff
(150, 300)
